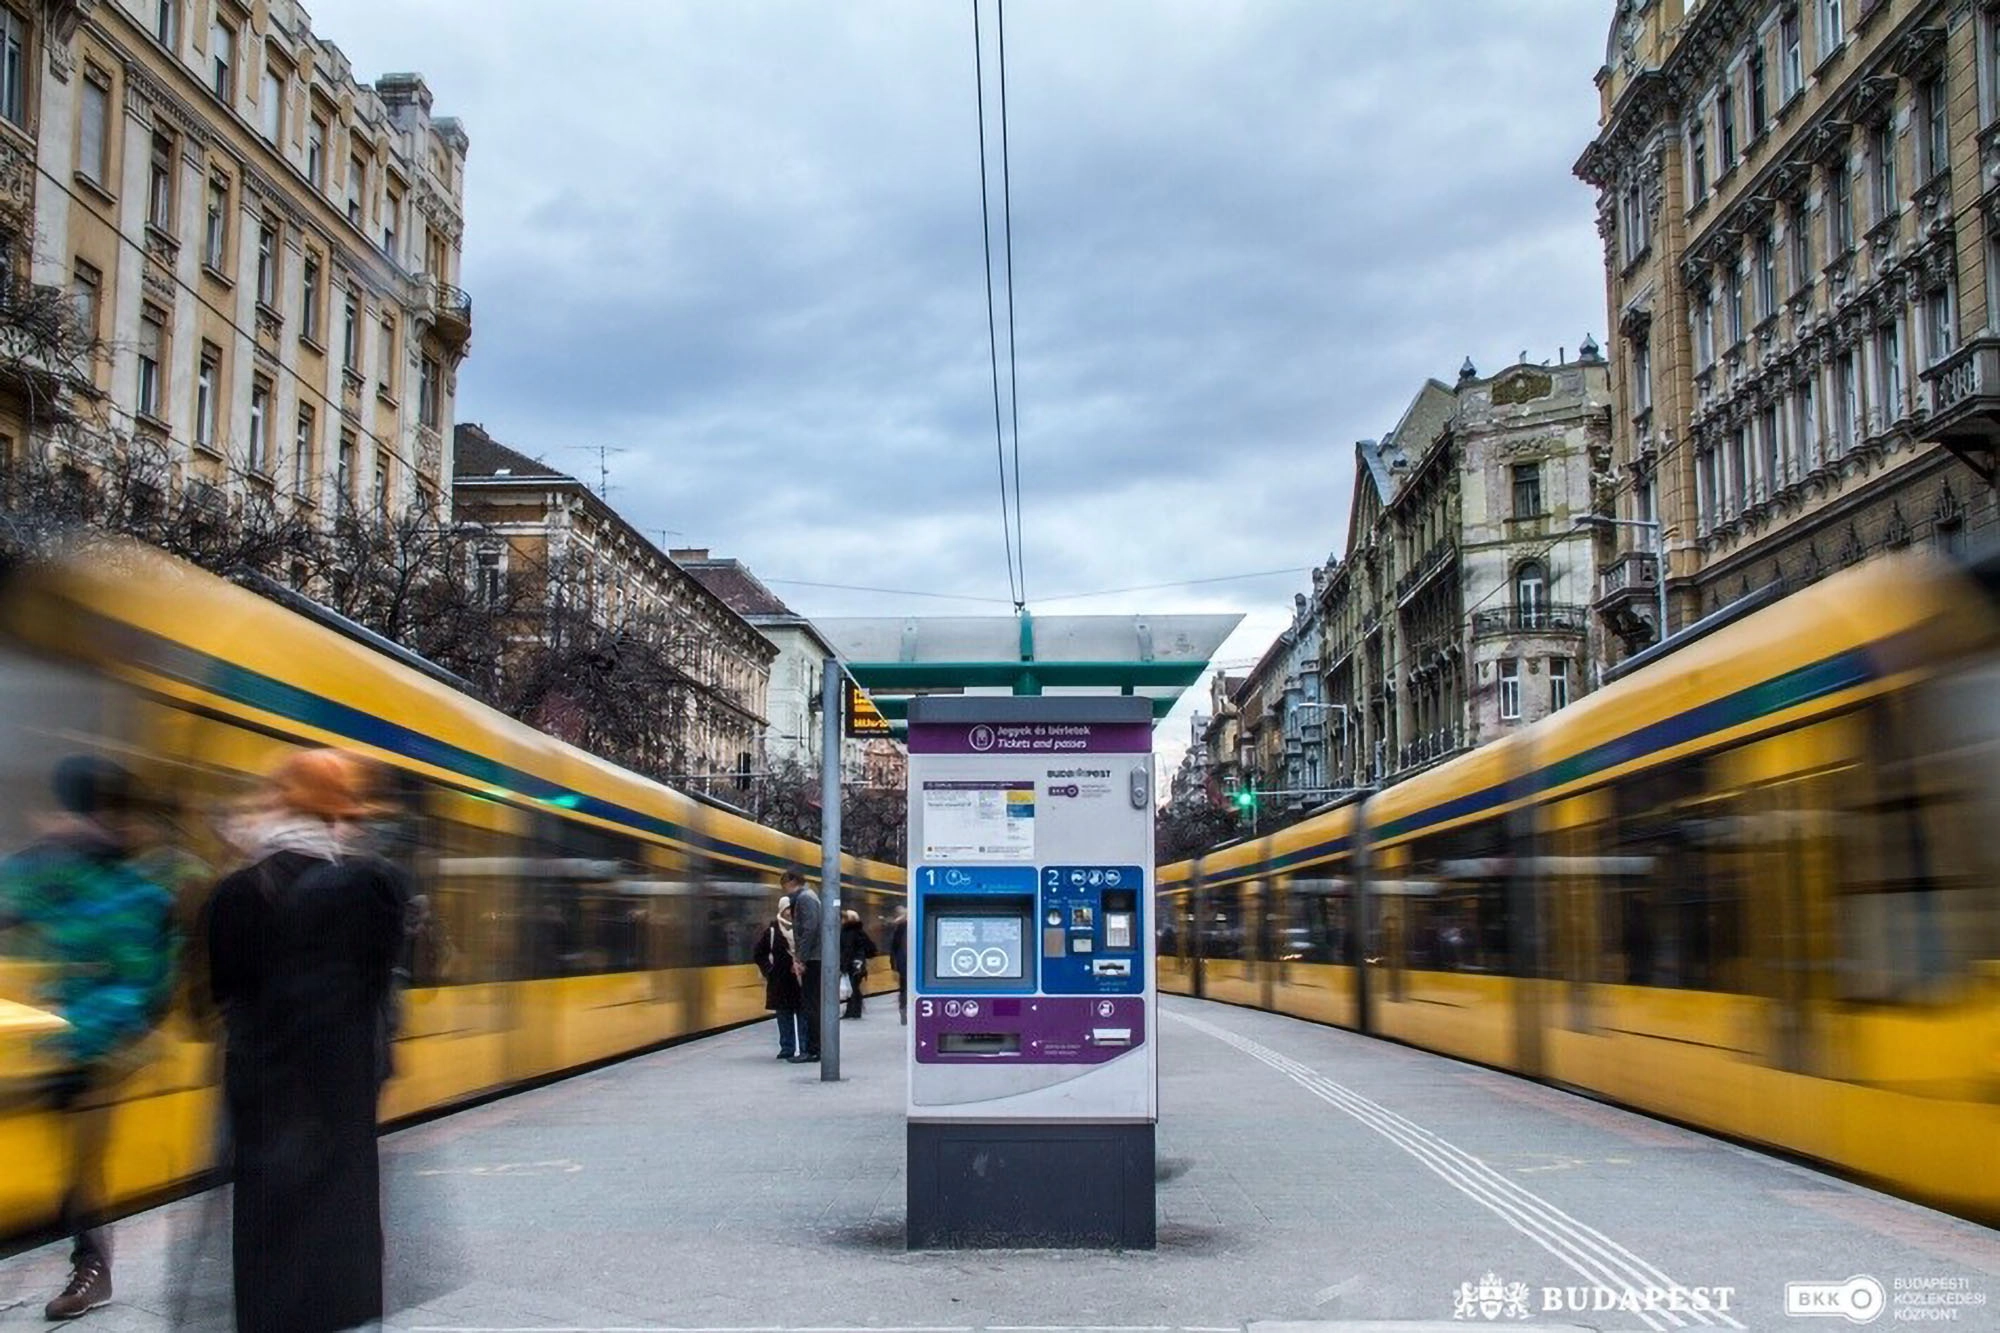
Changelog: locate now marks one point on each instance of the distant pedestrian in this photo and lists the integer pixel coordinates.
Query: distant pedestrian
(856, 948)
(303, 945)
(899, 954)
(104, 923)
(773, 954)
(805, 958)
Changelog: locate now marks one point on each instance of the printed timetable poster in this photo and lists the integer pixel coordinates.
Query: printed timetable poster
(979, 821)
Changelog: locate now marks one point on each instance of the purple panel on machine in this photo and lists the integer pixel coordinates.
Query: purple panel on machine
(1041, 1030)
(1002, 738)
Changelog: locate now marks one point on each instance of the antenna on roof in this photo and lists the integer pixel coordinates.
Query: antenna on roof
(603, 452)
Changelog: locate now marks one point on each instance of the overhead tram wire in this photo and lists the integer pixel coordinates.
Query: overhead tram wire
(1014, 589)
(1013, 372)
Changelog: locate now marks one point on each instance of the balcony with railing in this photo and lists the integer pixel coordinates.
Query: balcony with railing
(1441, 553)
(1531, 618)
(452, 313)
(1634, 573)
(1430, 748)
(1963, 393)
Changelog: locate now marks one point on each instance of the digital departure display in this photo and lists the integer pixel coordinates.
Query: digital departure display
(978, 948)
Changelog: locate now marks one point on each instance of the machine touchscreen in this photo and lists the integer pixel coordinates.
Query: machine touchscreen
(969, 948)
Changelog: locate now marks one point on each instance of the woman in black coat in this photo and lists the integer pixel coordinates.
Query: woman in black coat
(783, 995)
(855, 951)
(302, 946)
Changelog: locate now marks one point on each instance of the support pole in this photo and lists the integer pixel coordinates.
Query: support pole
(829, 874)
(1660, 574)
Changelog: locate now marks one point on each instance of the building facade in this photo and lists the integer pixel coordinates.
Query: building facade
(794, 730)
(1456, 613)
(1801, 237)
(581, 561)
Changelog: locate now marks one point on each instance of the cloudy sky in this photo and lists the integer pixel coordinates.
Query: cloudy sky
(739, 243)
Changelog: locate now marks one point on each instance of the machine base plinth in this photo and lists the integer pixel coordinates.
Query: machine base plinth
(993, 1185)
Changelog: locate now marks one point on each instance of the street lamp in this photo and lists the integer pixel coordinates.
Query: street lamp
(1659, 555)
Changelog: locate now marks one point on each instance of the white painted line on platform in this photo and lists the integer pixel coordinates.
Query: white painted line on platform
(1578, 1245)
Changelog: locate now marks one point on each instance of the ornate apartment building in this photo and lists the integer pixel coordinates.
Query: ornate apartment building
(1458, 610)
(264, 250)
(577, 559)
(1801, 228)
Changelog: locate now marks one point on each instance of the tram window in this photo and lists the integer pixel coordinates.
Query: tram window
(1223, 926)
(1317, 927)
(1455, 899)
(1917, 905)
(467, 885)
(1680, 923)
(735, 904)
(581, 913)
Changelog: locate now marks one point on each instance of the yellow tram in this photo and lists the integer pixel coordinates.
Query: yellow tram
(577, 912)
(1751, 887)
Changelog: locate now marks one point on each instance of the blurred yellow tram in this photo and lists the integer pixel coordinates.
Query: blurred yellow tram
(1752, 887)
(577, 912)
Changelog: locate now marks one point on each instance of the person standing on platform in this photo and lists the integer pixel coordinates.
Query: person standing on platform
(856, 948)
(107, 929)
(302, 949)
(805, 961)
(773, 955)
(899, 953)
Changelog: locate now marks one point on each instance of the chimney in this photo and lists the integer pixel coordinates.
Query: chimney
(682, 555)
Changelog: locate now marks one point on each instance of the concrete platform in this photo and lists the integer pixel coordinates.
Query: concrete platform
(1309, 1179)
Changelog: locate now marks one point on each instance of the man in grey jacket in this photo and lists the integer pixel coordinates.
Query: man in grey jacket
(805, 958)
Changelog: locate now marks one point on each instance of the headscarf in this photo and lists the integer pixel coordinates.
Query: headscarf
(783, 924)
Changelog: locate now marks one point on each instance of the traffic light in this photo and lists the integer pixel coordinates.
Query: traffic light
(1246, 799)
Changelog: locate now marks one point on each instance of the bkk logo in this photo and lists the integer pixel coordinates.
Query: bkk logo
(1859, 1300)
(1065, 789)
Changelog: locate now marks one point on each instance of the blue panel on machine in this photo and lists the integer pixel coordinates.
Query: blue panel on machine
(975, 879)
(1093, 930)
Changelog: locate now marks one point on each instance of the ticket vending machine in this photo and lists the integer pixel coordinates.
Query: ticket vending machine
(1034, 1077)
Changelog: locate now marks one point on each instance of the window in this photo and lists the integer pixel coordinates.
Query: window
(1531, 595)
(1937, 125)
(215, 249)
(1704, 487)
(1805, 420)
(392, 209)
(1737, 484)
(1791, 57)
(167, 24)
(1772, 460)
(1642, 502)
(1753, 74)
(343, 477)
(1632, 222)
(267, 264)
(205, 396)
(486, 576)
(271, 102)
(260, 435)
(1735, 307)
(1840, 211)
(1832, 32)
(1882, 154)
(152, 345)
(316, 152)
(309, 297)
(1800, 226)
(350, 333)
(1510, 689)
(222, 57)
(160, 184)
(1527, 490)
(357, 174)
(1558, 683)
(1940, 329)
(1725, 125)
(1767, 276)
(382, 482)
(1847, 385)
(1642, 374)
(13, 67)
(385, 356)
(303, 448)
(1889, 370)
(1698, 162)
(430, 401)
(93, 149)
(85, 287)
(1704, 330)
